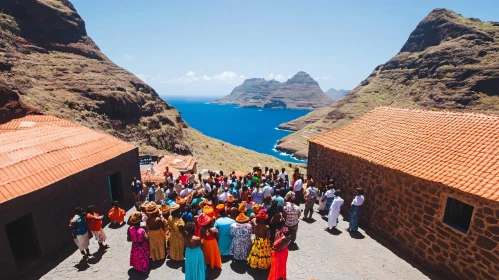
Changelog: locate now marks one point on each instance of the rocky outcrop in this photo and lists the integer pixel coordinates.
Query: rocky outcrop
(449, 62)
(49, 65)
(336, 94)
(299, 92)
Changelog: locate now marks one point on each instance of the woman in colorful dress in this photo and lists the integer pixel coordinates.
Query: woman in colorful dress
(195, 268)
(280, 256)
(355, 210)
(259, 256)
(155, 230)
(241, 237)
(139, 255)
(176, 225)
(209, 235)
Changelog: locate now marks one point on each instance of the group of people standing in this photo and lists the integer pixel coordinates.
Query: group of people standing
(200, 220)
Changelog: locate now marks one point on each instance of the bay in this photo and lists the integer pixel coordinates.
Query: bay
(251, 128)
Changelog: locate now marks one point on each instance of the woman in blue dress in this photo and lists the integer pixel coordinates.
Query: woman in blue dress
(195, 267)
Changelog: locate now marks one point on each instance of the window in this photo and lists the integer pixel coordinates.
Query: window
(458, 214)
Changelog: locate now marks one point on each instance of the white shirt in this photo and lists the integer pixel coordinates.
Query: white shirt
(330, 193)
(170, 180)
(298, 185)
(207, 187)
(336, 205)
(185, 192)
(358, 200)
(267, 190)
(283, 176)
(223, 197)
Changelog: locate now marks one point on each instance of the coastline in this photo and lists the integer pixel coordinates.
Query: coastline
(288, 155)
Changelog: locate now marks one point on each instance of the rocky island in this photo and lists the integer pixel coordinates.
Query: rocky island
(299, 92)
(449, 62)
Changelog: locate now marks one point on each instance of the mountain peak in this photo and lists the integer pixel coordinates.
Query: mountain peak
(302, 78)
(444, 25)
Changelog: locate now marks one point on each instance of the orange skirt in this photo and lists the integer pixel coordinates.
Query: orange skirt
(278, 266)
(211, 253)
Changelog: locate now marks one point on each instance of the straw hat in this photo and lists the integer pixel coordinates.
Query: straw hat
(208, 210)
(204, 219)
(151, 208)
(165, 208)
(135, 218)
(230, 199)
(180, 200)
(174, 207)
(220, 207)
(241, 218)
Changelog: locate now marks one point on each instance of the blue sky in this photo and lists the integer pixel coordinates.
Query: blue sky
(206, 48)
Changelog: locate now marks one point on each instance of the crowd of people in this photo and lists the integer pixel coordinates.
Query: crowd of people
(199, 220)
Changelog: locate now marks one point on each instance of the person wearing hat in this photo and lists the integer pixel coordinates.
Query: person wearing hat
(176, 225)
(209, 235)
(80, 232)
(260, 253)
(195, 267)
(223, 224)
(155, 230)
(241, 237)
(139, 255)
(219, 208)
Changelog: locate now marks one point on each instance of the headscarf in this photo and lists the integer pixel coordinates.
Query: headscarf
(241, 218)
(257, 208)
(208, 210)
(262, 215)
(174, 207)
(204, 219)
(230, 198)
(165, 208)
(180, 200)
(242, 208)
(220, 207)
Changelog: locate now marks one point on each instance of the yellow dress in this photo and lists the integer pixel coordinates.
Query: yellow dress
(260, 254)
(176, 239)
(157, 244)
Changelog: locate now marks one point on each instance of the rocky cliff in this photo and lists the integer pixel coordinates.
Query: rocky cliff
(49, 65)
(299, 92)
(449, 62)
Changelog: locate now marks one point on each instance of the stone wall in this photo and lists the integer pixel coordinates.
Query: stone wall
(52, 206)
(408, 212)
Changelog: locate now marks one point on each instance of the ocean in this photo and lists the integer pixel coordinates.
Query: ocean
(251, 128)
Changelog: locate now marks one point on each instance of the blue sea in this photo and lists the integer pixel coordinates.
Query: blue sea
(251, 128)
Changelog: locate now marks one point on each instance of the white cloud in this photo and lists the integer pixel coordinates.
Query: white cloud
(278, 77)
(129, 57)
(228, 77)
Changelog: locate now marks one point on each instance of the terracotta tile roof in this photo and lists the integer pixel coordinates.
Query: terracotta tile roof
(460, 150)
(48, 150)
(31, 121)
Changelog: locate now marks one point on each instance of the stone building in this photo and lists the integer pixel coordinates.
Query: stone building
(48, 166)
(431, 183)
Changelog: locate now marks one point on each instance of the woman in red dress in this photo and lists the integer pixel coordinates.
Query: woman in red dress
(280, 256)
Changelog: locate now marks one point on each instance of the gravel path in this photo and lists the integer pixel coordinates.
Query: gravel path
(318, 255)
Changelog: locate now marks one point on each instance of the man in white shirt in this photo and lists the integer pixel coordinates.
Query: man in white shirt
(267, 190)
(298, 189)
(334, 211)
(185, 192)
(223, 196)
(283, 174)
(170, 179)
(207, 186)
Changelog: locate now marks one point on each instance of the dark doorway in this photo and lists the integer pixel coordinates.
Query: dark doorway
(115, 187)
(23, 241)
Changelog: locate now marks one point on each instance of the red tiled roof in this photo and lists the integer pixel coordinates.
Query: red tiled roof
(48, 150)
(460, 150)
(31, 121)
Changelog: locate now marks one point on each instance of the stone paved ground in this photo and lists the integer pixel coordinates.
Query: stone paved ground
(320, 255)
